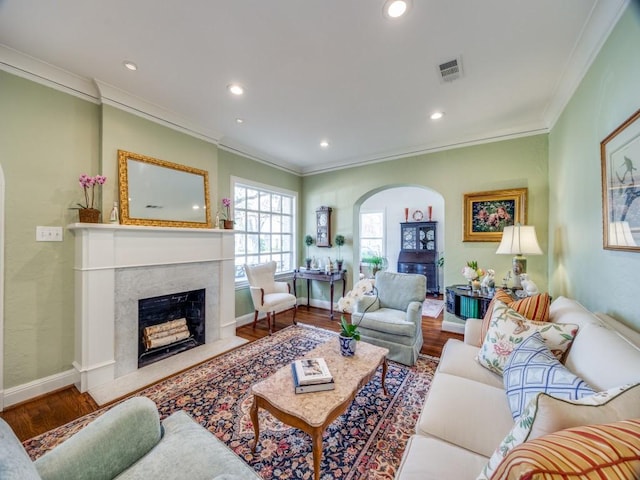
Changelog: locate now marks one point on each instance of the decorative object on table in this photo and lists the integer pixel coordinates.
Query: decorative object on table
(349, 333)
(323, 227)
(226, 214)
(114, 216)
(339, 260)
(471, 272)
(430, 211)
(489, 279)
(417, 216)
(158, 193)
(311, 371)
(519, 240)
(620, 161)
(311, 387)
(86, 212)
(308, 241)
(406, 214)
(529, 287)
(486, 214)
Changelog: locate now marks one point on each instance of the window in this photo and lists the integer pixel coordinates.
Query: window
(371, 235)
(265, 217)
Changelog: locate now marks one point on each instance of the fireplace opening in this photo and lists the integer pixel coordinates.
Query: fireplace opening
(170, 324)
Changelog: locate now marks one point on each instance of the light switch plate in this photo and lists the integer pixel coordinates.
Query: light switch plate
(48, 234)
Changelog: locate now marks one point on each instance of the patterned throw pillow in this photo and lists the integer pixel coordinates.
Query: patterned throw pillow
(546, 414)
(508, 329)
(532, 369)
(590, 452)
(534, 308)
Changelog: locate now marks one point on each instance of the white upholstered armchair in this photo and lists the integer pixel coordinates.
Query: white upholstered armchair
(268, 295)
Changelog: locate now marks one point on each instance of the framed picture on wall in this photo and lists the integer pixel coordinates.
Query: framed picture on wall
(620, 164)
(487, 213)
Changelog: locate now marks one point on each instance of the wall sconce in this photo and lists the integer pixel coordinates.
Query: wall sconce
(519, 240)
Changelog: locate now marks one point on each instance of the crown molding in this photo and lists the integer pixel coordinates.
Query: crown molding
(117, 98)
(31, 68)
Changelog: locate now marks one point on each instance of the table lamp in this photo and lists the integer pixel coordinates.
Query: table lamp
(519, 240)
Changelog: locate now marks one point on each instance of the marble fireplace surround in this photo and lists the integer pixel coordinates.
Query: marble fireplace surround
(114, 267)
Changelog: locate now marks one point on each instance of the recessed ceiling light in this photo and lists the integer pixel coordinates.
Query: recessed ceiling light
(395, 8)
(130, 65)
(239, 121)
(436, 115)
(324, 144)
(235, 89)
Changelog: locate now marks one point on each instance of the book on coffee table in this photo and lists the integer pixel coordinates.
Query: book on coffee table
(314, 387)
(311, 371)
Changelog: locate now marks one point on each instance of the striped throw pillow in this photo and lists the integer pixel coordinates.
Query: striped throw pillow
(534, 308)
(590, 452)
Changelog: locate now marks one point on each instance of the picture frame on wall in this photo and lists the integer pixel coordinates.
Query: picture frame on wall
(620, 165)
(487, 213)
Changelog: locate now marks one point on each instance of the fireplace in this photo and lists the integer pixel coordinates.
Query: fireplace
(170, 324)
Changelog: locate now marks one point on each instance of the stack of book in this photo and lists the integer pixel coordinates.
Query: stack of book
(311, 375)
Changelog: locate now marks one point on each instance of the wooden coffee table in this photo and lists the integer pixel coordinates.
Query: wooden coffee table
(313, 412)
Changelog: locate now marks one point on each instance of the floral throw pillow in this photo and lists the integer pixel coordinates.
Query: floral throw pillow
(508, 329)
(546, 414)
(532, 369)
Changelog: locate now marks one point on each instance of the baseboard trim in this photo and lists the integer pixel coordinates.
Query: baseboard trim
(41, 386)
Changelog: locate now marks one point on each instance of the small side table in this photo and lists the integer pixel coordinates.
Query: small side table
(319, 276)
(465, 303)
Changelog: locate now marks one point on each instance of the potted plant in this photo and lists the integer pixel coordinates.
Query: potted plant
(377, 263)
(308, 241)
(349, 335)
(339, 243)
(86, 212)
(226, 214)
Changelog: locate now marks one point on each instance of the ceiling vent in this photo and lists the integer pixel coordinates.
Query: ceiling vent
(450, 70)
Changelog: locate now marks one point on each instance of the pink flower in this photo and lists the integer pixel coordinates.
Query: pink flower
(87, 182)
(226, 202)
(503, 348)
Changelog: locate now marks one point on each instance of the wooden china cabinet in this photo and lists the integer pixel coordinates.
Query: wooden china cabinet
(419, 252)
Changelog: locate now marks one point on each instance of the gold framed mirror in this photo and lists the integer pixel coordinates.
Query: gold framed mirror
(162, 194)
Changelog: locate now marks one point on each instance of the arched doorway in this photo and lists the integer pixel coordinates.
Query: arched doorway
(392, 200)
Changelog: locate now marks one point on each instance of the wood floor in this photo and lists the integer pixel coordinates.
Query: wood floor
(50, 411)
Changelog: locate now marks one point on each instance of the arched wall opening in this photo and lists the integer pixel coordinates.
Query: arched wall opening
(393, 200)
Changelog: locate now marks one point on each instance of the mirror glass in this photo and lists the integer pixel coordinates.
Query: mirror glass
(160, 193)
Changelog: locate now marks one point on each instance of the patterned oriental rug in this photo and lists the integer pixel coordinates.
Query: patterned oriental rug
(366, 442)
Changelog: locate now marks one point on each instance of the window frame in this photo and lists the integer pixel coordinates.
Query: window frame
(271, 189)
(384, 232)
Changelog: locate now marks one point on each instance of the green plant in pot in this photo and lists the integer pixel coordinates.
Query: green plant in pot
(308, 241)
(339, 242)
(377, 263)
(349, 333)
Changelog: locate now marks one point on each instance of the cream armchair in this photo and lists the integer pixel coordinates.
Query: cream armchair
(268, 295)
(393, 318)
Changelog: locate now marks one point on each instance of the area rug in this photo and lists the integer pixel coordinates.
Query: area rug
(366, 442)
(432, 308)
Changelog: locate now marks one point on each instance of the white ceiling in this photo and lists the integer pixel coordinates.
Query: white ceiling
(316, 69)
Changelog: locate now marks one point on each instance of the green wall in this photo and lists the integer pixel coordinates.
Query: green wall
(493, 166)
(124, 131)
(47, 139)
(602, 280)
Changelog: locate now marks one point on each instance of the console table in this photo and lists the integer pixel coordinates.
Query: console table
(319, 276)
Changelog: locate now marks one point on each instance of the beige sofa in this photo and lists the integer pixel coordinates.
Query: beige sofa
(466, 413)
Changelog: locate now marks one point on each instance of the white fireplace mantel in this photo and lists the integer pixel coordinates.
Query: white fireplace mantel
(102, 249)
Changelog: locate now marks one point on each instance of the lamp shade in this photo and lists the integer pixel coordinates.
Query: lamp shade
(519, 240)
(620, 234)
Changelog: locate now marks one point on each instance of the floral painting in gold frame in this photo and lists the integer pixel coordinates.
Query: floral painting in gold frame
(487, 213)
(620, 164)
